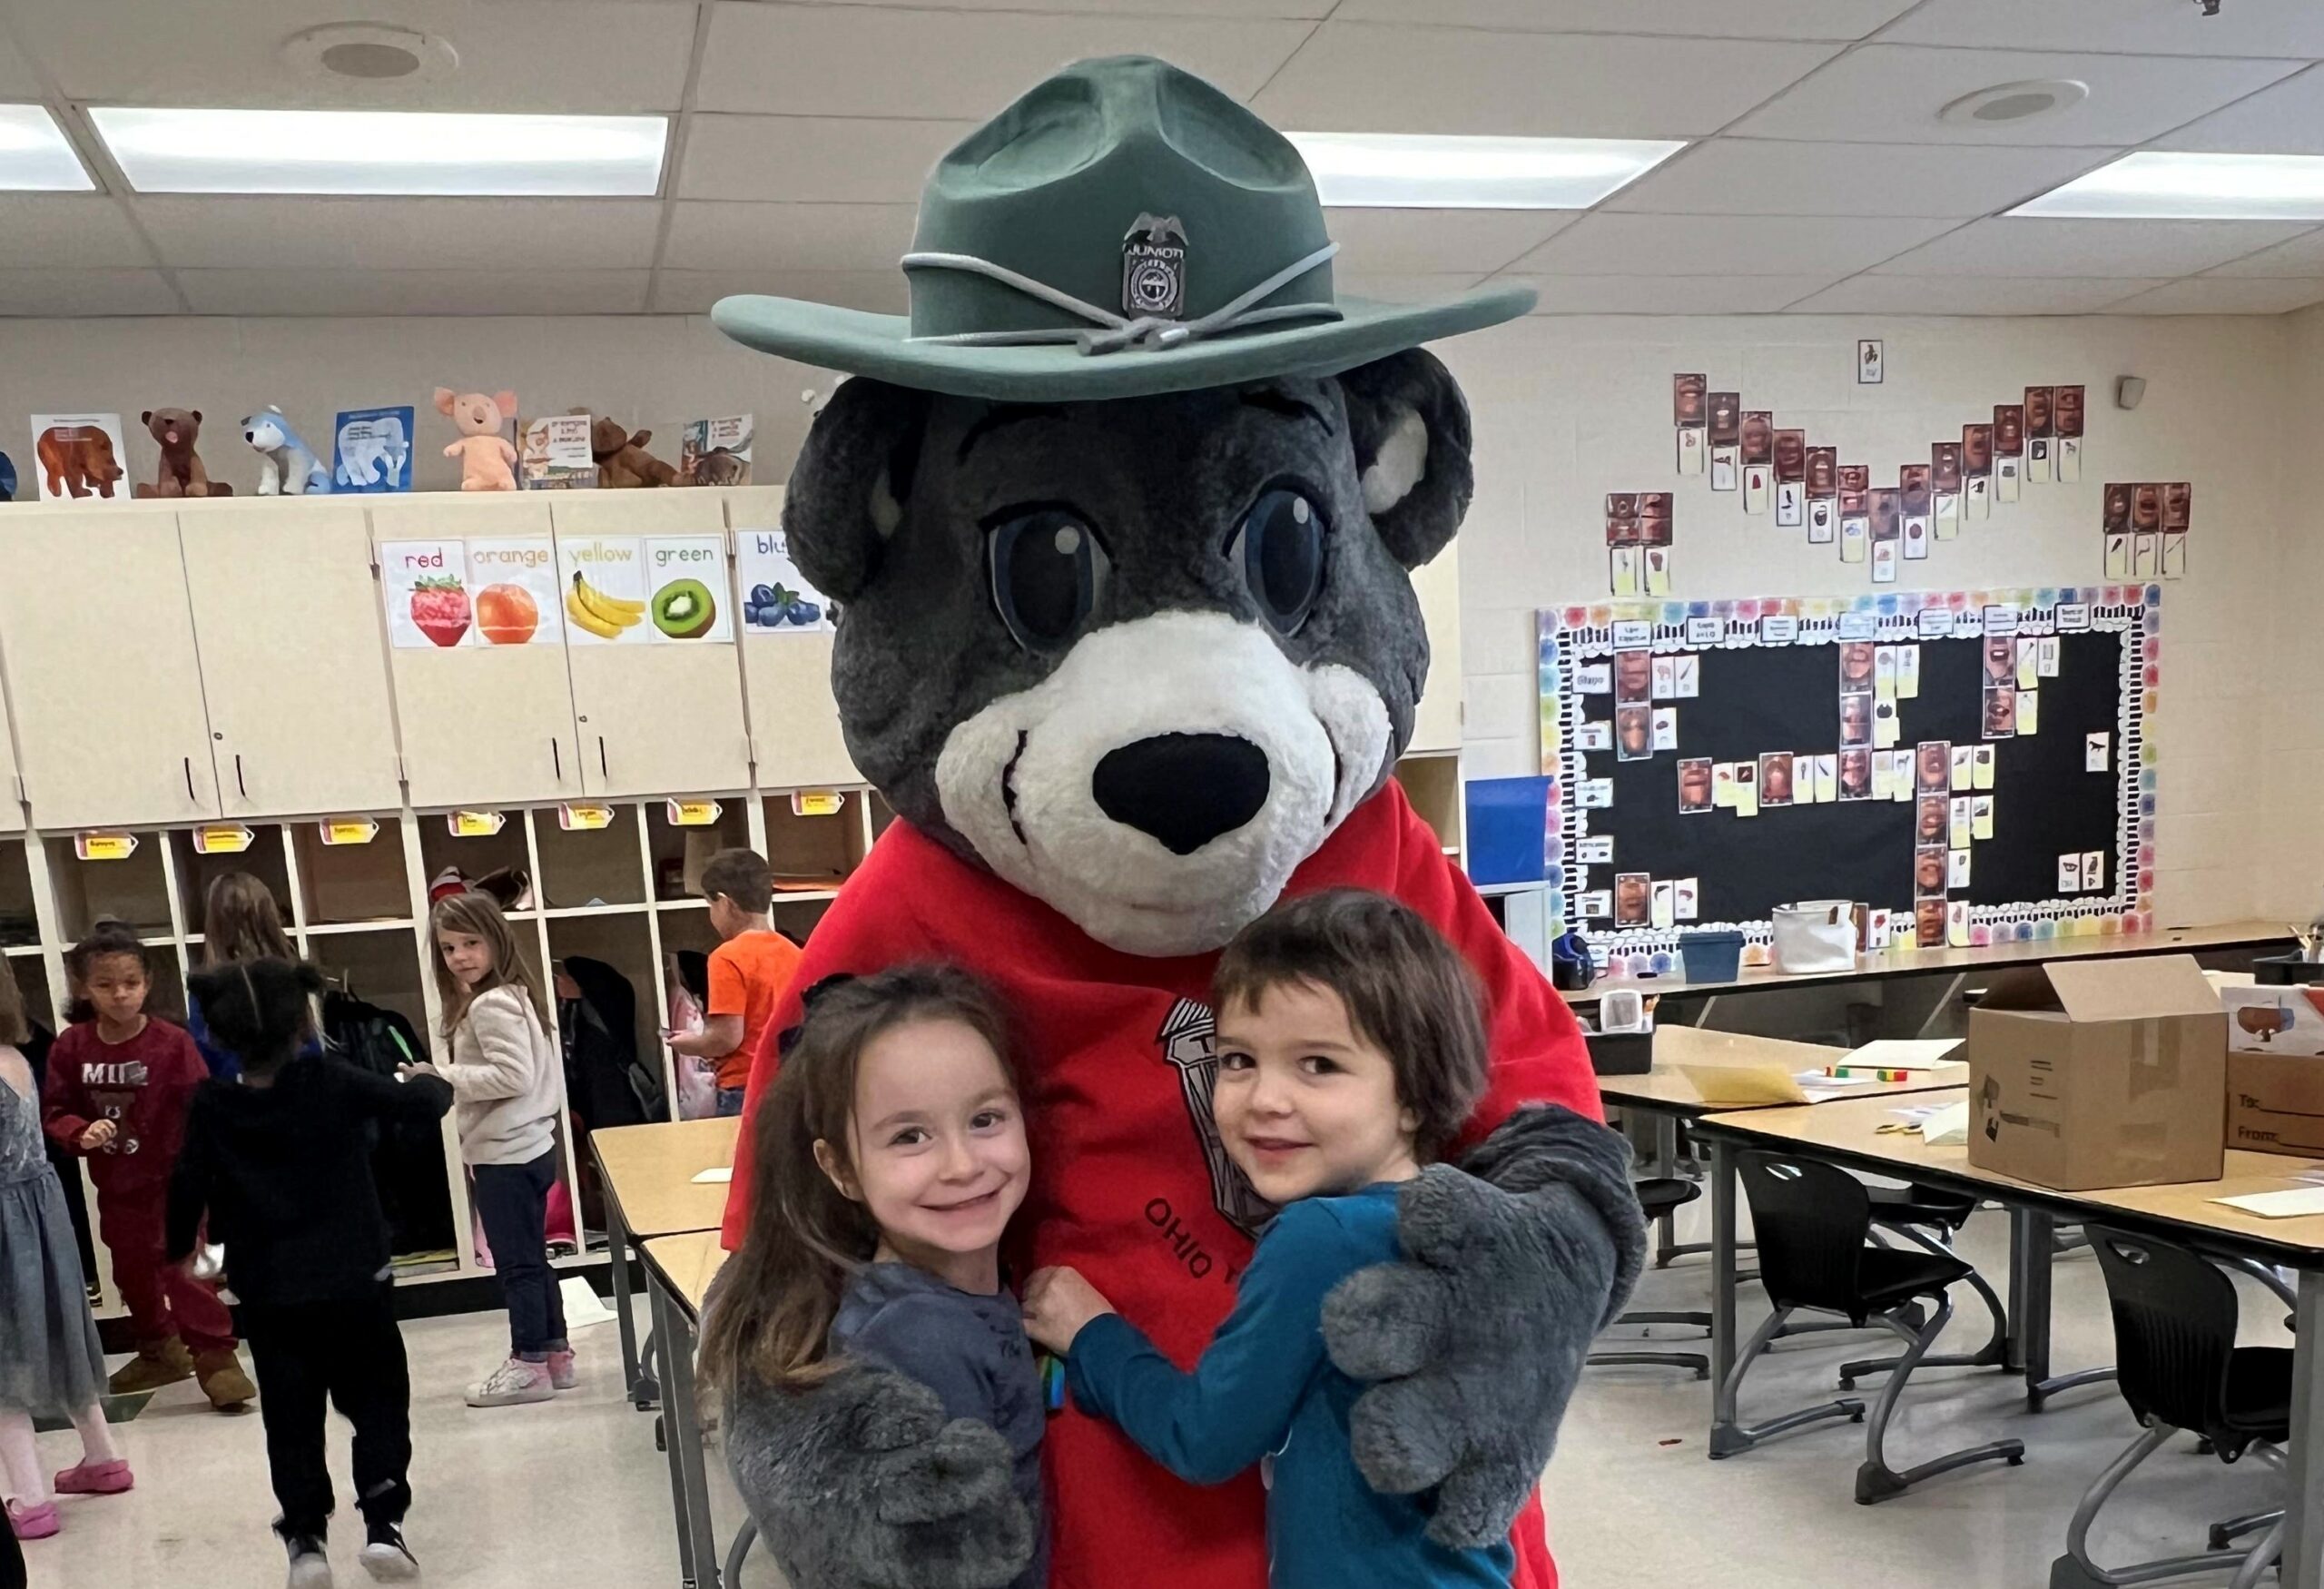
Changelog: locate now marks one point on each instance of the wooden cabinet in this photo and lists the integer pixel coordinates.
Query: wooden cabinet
(488, 725)
(794, 721)
(97, 640)
(293, 663)
(12, 810)
(1436, 723)
(657, 717)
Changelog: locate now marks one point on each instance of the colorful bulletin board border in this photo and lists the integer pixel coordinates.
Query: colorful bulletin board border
(1574, 635)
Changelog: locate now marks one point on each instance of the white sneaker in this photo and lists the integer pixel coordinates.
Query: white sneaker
(514, 1382)
(387, 1558)
(309, 1567)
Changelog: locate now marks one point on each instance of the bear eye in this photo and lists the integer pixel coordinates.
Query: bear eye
(1279, 548)
(1048, 572)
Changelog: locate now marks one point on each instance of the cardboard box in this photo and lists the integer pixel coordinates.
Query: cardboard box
(2099, 1073)
(2275, 1069)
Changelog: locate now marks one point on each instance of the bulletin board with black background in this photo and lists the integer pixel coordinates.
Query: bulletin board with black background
(1970, 766)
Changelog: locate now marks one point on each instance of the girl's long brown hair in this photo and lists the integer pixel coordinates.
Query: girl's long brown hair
(479, 915)
(241, 922)
(772, 1308)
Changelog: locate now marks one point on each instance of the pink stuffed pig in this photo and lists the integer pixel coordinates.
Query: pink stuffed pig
(486, 459)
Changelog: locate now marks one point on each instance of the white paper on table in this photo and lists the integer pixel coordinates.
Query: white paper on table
(1904, 1053)
(2280, 1204)
(719, 1177)
(1946, 1126)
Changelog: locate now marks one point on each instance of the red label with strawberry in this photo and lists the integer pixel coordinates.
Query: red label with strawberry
(439, 608)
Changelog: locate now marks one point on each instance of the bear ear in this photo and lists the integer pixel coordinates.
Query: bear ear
(146, 417)
(641, 438)
(197, 415)
(1410, 428)
(848, 488)
(445, 398)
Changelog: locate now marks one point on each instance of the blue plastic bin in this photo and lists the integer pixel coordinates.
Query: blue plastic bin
(1711, 957)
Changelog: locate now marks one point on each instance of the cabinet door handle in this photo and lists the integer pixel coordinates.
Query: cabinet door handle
(556, 757)
(238, 784)
(190, 795)
(602, 768)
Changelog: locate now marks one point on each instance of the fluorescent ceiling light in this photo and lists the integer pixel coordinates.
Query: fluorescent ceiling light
(35, 155)
(1427, 171)
(2156, 185)
(383, 151)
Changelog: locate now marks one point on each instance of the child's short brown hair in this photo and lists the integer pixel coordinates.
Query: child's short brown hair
(743, 876)
(105, 940)
(1406, 990)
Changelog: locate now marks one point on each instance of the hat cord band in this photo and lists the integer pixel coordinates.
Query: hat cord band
(1112, 332)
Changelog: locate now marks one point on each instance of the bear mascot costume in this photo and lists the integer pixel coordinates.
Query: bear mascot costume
(1127, 639)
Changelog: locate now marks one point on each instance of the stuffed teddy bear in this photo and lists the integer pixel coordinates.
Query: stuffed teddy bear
(288, 466)
(75, 460)
(488, 459)
(181, 473)
(1131, 647)
(621, 459)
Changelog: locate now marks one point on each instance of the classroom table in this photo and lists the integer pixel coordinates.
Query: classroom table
(1665, 1095)
(1844, 1132)
(650, 1190)
(1959, 963)
(678, 1272)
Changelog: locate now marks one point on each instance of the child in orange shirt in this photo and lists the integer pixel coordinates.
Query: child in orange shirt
(750, 970)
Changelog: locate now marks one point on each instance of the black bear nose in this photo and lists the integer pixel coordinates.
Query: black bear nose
(1184, 789)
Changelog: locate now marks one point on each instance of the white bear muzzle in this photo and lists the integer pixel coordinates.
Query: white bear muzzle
(1161, 786)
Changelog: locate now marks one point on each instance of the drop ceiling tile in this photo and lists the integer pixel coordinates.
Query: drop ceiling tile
(813, 160)
(1361, 77)
(397, 292)
(1420, 241)
(2223, 295)
(787, 237)
(1892, 93)
(1745, 176)
(593, 56)
(2302, 257)
(2284, 118)
(2042, 246)
(1972, 295)
(694, 291)
(18, 81)
(85, 291)
(1641, 294)
(2153, 28)
(215, 232)
(1758, 19)
(877, 61)
(1723, 246)
(66, 229)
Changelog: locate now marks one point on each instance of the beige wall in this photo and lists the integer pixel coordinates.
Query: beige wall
(1566, 411)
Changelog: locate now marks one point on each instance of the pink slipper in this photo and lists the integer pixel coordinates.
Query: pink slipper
(33, 1522)
(95, 1478)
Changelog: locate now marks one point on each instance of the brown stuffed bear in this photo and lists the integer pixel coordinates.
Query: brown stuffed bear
(181, 474)
(621, 459)
(76, 459)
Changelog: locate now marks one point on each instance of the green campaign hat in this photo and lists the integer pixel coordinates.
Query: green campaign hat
(1124, 229)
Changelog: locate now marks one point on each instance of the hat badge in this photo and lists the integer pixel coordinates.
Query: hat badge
(1154, 268)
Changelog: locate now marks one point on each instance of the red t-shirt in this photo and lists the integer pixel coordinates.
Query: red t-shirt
(748, 974)
(1130, 1184)
(144, 1086)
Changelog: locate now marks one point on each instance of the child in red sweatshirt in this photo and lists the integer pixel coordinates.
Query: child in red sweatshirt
(119, 1087)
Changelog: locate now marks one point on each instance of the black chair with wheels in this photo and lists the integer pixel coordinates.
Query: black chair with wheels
(1929, 1218)
(2176, 1316)
(1814, 1225)
(1659, 1199)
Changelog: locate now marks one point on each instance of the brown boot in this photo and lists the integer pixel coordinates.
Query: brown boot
(156, 1364)
(223, 1379)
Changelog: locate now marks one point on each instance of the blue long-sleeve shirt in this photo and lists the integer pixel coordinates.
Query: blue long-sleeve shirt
(1266, 1388)
(224, 1062)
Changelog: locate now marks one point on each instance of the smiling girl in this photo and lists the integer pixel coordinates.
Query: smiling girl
(890, 1156)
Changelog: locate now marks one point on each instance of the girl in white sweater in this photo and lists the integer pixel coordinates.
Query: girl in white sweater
(508, 1089)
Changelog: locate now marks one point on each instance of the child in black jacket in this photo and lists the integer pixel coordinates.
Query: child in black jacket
(280, 1162)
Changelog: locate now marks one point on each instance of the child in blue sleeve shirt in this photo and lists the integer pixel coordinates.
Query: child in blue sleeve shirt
(1351, 1050)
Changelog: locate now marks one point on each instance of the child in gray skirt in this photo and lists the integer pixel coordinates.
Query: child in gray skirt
(50, 1362)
